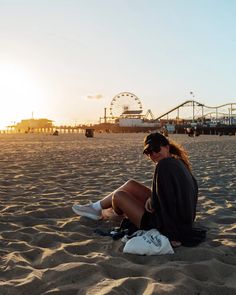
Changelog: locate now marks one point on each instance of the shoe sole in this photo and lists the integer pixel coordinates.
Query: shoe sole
(86, 214)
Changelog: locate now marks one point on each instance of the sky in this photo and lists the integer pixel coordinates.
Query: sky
(66, 60)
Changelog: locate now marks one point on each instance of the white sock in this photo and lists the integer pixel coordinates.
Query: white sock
(97, 206)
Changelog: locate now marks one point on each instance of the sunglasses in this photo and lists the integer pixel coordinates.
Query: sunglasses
(148, 151)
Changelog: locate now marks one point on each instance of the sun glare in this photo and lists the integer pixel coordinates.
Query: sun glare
(19, 94)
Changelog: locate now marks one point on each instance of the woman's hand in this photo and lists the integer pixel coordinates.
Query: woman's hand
(148, 205)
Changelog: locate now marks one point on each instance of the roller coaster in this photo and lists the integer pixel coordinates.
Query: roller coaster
(201, 112)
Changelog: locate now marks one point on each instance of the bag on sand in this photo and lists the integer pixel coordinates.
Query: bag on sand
(149, 242)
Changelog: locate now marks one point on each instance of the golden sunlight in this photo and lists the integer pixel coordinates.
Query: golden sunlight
(19, 94)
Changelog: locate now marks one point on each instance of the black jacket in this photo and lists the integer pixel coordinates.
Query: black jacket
(174, 198)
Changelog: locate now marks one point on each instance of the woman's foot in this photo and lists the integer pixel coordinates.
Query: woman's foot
(87, 211)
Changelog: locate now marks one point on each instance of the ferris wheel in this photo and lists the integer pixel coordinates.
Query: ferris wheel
(124, 103)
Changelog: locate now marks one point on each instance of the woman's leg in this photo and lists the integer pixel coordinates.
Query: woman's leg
(125, 203)
(138, 191)
(128, 199)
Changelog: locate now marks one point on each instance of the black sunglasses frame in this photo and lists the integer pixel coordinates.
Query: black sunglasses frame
(149, 150)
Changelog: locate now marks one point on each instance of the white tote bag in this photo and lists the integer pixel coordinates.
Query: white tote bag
(149, 242)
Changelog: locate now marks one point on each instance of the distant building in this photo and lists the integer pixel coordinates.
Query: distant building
(136, 122)
(29, 125)
(135, 118)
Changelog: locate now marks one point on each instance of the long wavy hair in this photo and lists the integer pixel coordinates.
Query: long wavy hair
(179, 152)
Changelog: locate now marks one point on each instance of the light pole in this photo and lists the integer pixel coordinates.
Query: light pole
(191, 93)
(229, 116)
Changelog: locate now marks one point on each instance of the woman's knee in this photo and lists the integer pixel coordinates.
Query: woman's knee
(118, 196)
(131, 183)
(118, 199)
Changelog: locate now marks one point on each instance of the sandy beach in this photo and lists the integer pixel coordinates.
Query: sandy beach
(46, 249)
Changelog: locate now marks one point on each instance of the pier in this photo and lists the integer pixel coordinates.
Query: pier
(220, 120)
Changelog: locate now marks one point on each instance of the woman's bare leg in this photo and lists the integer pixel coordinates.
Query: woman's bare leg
(125, 203)
(129, 199)
(138, 191)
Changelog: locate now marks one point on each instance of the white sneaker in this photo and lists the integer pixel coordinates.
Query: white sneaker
(87, 211)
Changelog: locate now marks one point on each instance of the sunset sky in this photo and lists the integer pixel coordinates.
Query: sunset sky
(66, 59)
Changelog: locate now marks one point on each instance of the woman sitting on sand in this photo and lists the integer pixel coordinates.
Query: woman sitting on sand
(171, 204)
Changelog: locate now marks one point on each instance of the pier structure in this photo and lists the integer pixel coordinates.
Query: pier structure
(126, 115)
(43, 126)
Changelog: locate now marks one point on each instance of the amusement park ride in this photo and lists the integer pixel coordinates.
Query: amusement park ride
(125, 113)
(126, 107)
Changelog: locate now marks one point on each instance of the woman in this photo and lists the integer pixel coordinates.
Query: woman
(171, 204)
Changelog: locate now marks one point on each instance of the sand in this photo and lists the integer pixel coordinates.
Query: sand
(46, 249)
